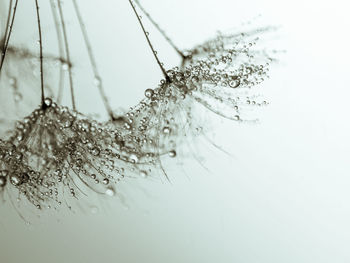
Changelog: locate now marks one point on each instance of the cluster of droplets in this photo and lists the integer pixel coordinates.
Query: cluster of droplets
(55, 153)
(17, 96)
(231, 46)
(218, 74)
(219, 77)
(15, 174)
(224, 92)
(158, 123)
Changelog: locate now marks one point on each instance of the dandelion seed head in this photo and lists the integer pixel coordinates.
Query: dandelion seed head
(55, 154)
(62, 149)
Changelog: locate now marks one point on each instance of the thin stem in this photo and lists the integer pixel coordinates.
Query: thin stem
(7, 26)
(41, 55)
(67, 53)
(162, 32)
(93, 63)
(150, 44)
(3, 51)
(60, 49)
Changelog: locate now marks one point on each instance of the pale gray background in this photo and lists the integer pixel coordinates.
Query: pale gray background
(284, 197)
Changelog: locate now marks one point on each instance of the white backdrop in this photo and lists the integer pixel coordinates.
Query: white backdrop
(283, 197)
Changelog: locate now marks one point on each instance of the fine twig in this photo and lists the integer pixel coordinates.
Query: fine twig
(7, 26)
(150, 44)
(63, 25)
(60, 49)
(7, 40)
(162, 32)
(40, 56)
(93, 63)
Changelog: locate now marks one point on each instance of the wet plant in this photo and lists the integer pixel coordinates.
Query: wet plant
(57, 155)
(217, 74)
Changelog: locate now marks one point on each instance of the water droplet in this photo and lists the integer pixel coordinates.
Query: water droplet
(195, 79)
(133, 158)
(166, 130)
(4, 173)
(127, 126)
(172, 153)
(143, 174)
(48, 102)
(12, 81)
(95, 151)
(97, 81)
(65, 66)
(67, 123)
(234, 83)
(19, 136)
(149, 93)
(15, 180)
(17, 96)
(110, 191)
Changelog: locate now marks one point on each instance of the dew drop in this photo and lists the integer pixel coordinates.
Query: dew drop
(12, 81)
(110, 191)
(65, 66)
(149, 93)
(105, 181)
(172, 153)
(48, 102)
(4, 173)
(166, 130)
(234, 83)
(67, 123)
(19, 136)
(127, 126)
(97, 81)
(95, 151)
(15, 180)
(143, 174)
(17, 96)
(133, 158)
